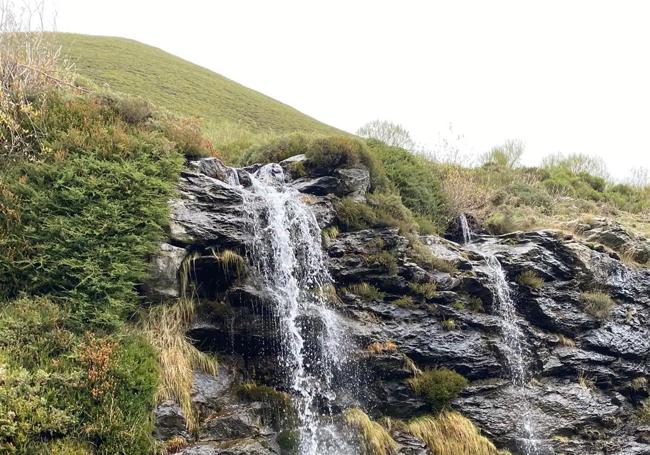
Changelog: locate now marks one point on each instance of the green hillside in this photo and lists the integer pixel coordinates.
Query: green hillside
(134, 68)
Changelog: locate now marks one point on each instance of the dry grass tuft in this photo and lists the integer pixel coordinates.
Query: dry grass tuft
(426, 290)
(585, 381)
(165, 329)
(376, 439)
(381, 347)
(365, 291)
(410, 365)
(531, 279)
(598, 304)
(452, 434)
(232, 263)
(565, 341)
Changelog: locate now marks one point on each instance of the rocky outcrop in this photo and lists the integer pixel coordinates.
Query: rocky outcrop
(586, 374)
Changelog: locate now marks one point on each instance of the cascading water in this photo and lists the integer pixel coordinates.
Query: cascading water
(512, 337)
(286, 251)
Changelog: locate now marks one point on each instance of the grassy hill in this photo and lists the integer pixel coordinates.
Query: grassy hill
(134, 68)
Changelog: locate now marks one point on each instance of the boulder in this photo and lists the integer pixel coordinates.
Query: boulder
(163, 281)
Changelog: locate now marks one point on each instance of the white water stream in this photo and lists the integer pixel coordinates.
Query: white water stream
(287, 253)
(513, 340)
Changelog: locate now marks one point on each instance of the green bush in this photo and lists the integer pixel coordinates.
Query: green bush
(89, 211)
(54, 384)
(417, 182)
(440, 386)
(354, 216)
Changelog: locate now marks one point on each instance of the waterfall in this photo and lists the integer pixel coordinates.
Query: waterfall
(287, 254)
(467, 232)
(512, 338)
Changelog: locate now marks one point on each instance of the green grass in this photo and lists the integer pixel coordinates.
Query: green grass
(182, 87)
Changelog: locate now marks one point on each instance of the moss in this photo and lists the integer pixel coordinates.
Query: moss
(439, 386)
(598, 304)
(531, 279)
(384, 259)
(365, 290)
(288, 441)
(458, 305)
(476, 304)
(644, 411)
(405, 300)
(427, 290)
(449, 324)
(279, 411)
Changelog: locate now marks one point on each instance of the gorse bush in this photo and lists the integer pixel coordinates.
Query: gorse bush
(88, 211)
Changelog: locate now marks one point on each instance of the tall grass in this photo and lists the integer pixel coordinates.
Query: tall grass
(375, 438)
(165, 329)
(452, 434)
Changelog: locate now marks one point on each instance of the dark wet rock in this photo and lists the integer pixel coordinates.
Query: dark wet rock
(319, 186)
(354, 182)
(564, 346)
(170, 421)
(208, 212)
(620, 340)
(213, 167)
(613, 235)
(163, 281)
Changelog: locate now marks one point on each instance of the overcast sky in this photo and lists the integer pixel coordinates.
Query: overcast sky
(563, 76)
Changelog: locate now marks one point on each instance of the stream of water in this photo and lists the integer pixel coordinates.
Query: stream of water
(287, 254)
(512, 340)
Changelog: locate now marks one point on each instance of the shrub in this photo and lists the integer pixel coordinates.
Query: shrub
(278, 149)
(500, 223)
(134, 110)
(187, 134)
(354, 216)
(416, 180)
(451, 434)
(439, 386)
(531, 279)
(384, 259)
(327, 153)
(365, 290)
(99, 186)
(376, 440)
(597, 304)
(427, 290)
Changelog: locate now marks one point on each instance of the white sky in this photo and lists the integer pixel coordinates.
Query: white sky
(563, 76)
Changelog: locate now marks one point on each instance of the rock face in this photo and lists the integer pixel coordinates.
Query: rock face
(587, 378)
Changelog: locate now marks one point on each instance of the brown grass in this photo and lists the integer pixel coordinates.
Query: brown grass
(598, 304)
(379, 347)
(375, 438)
(450, 433)
(165, 329)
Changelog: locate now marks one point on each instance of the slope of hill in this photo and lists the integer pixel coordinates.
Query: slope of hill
(178, 85)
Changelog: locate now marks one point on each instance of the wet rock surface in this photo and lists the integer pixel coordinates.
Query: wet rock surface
(582, 368)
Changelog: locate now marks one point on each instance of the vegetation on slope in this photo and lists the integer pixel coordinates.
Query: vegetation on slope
(231, 111)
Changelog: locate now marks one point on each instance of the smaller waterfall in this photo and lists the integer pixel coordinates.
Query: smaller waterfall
(467, 232)
(512, 338)
(286, 251)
